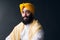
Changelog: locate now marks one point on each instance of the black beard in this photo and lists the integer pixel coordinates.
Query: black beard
(28, 20)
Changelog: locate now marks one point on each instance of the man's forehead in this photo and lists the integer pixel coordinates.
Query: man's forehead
(25, 9)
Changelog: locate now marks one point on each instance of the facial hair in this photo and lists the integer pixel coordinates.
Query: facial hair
(28, 20)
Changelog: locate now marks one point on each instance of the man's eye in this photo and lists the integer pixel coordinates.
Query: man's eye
(22, 11)
(28, 11)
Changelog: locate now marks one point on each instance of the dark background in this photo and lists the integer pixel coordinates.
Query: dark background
(44, 11)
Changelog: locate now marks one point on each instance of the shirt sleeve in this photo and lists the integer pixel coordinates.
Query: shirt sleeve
(39, 35)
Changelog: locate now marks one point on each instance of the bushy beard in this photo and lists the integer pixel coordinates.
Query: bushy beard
(28, 20)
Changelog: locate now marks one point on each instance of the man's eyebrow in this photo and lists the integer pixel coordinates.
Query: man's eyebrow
(23, 7)
(27, 10)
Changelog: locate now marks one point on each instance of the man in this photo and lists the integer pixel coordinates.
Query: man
(29, 28)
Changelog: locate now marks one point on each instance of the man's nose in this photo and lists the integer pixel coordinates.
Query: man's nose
(25, 14)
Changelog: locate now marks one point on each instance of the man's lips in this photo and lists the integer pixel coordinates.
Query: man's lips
(25, 18)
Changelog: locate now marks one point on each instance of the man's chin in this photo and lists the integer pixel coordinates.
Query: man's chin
(25, 22)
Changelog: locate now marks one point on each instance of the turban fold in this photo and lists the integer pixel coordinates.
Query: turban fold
(29, 7)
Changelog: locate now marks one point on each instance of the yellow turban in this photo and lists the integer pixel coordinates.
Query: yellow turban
(29, 6)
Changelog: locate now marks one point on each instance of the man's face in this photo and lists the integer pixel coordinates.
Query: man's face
(27, 16)
(25, 13)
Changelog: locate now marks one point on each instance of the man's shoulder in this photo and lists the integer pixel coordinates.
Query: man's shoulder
(19, 25)
(37, 21)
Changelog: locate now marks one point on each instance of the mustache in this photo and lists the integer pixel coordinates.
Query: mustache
(25, 16)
